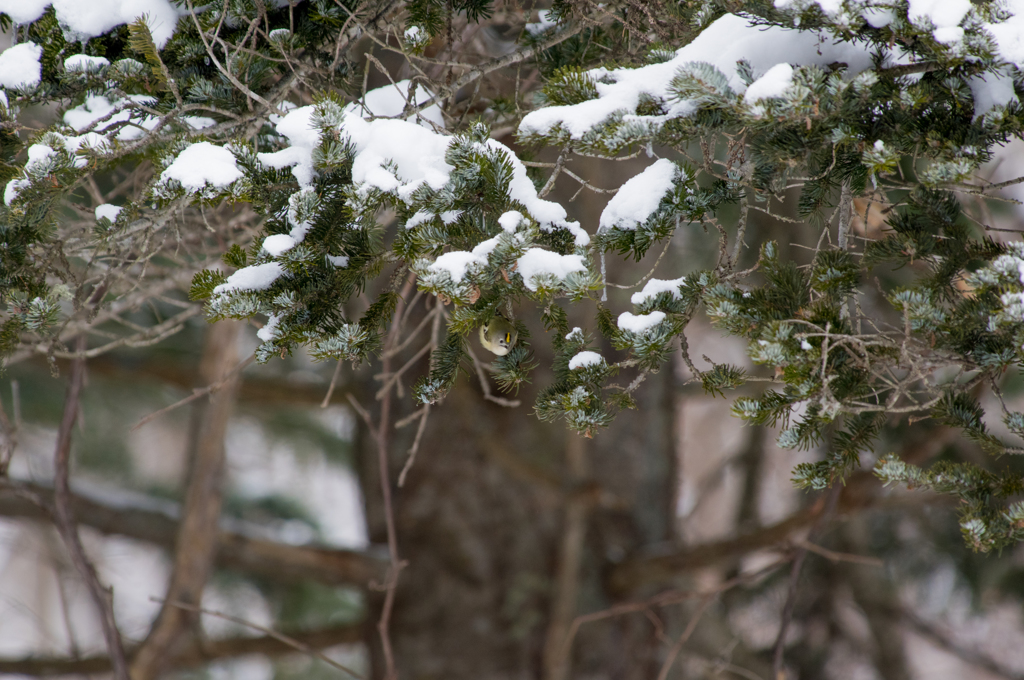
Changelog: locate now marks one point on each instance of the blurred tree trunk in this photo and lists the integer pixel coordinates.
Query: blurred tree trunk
(196, 544)
(483, 521)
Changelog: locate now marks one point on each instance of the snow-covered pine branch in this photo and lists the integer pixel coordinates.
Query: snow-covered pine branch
(822, 104)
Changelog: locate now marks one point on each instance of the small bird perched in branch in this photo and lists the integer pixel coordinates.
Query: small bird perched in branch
(498, 335)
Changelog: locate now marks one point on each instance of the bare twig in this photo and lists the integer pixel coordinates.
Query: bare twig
(570, 558)
(834, 556)
(330, 389)
(845, 214)
(664, 599)
(197, 393)
(794, 580)
(65, 521)
(290, 641)
(383, 439)
(485, 386)
(690, 627)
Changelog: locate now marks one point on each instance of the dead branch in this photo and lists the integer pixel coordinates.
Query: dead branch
(64, 518)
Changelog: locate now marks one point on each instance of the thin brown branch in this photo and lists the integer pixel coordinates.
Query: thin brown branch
(570, 560)
(862, 490)
(690, 627)
(64, 519)
(198, 392)
(194, 656)
(383, 438)
(280, 637)
(664, 599)
(778, 656)
(834, 556)
(485, 386)
(279, 562)
(330, 389)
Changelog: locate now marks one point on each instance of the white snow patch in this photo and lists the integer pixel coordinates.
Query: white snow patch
(829, 7)
(203, 164)
(13, 188)
(83, 19)
(450, 216)
(278, 244)
(83, 63)
(297, 127)
(537, 262)
(546, 22)
(638, 198)
(107, 210)
(340, 261)
(1009, 35)
(269, 330)
(416, 153)
(457, 263)
(510, 220)
(575, 332)
(485, 248)
(19, 65)
(39, 156)
(991, 90)
(419, 218)
(878, 17)
(390, 101)
(722, 44)
(773, 83)
(943, 16)
(256, 277)
(640, 323)
(585, 358)
(656, 286)
(113, 113)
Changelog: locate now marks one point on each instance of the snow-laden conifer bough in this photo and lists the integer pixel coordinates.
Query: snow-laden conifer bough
(830, 103)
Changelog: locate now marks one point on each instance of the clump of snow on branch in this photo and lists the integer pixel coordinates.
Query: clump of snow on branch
(108, 211)
(297, 127)
(19, 66)
(585, 358)
(537, 263)
(256, 277)
(83, 63)
(638, 198)
(640, 324)
(773, 84)
(725, 42)
(510, 220)
(391, 101)
(546, 22)
(83, 19)
(269, 330)
(656, 286)
(103, 114)
(202, 166)
(457, 263)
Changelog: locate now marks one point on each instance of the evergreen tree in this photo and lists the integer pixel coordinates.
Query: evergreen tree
(845, 109)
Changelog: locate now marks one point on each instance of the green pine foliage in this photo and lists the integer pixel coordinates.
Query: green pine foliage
(906, 131)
